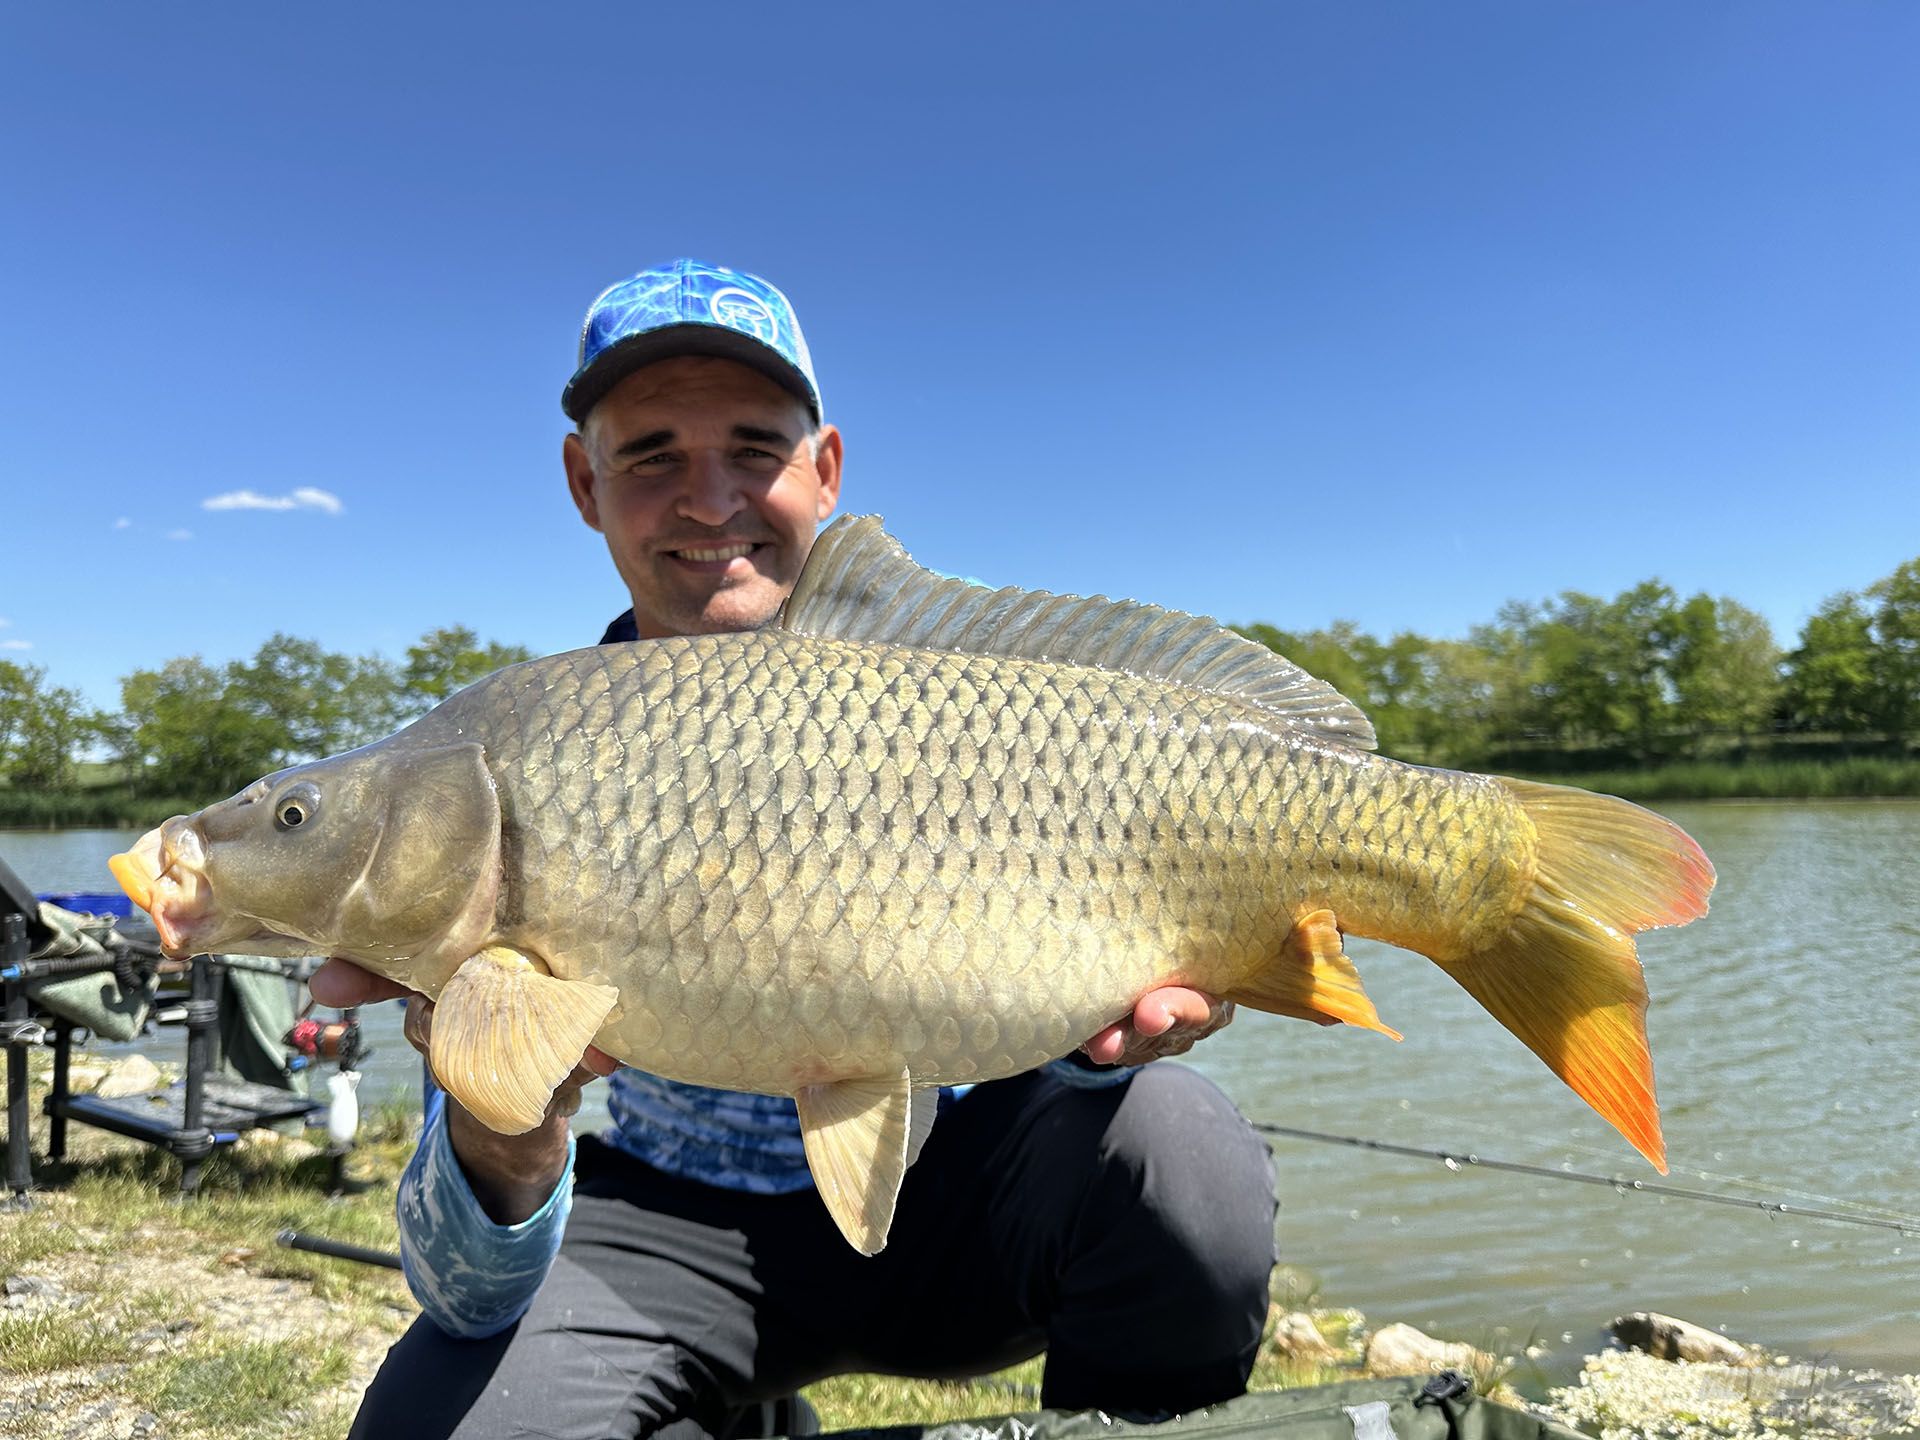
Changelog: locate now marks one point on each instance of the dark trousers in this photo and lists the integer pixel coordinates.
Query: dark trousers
(1127, 1230)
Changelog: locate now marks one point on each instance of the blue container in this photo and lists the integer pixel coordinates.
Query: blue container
(88, 903)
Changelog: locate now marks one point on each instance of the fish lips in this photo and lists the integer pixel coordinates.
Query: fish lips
(165, 875)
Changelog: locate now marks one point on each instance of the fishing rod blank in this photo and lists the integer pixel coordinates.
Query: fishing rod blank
(339, 1249)
(1459, 1159)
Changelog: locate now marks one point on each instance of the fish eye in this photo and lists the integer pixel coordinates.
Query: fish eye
(296, 807)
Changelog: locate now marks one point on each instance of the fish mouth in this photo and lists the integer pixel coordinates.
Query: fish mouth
(165, 875)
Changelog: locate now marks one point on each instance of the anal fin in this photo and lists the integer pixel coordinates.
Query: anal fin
(860, 1136)
(1312, 979)
(506, 1033)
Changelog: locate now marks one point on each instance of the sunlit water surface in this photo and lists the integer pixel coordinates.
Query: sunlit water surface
(1783, 1036)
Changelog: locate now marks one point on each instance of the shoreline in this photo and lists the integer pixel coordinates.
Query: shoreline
(132, 1313)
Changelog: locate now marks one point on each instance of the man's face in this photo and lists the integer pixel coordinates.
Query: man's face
(700, 474)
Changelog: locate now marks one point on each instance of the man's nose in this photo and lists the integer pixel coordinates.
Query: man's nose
(711, 494)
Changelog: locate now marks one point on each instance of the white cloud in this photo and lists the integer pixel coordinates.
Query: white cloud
(123, 523)
(179, 534)
(319, 499)
(16, 644)
(304, 498)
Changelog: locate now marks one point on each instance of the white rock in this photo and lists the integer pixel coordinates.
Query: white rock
(1403, 1350)
(286, 1148)
(84, 1075)
(132, 1076)
(1296, 1337)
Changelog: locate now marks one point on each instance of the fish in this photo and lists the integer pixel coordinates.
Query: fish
(917, 832)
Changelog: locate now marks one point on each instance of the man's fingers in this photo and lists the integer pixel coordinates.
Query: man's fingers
(1106, 1047)
(1160, 1010)
(418, 1026)
(1164, 1022)
(341, 983)
(1154, 1015)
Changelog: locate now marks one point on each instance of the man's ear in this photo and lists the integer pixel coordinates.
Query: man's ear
(826, 462)
(579, 467)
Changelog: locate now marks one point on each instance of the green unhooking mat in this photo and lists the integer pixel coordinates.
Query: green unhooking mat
(257, 1008)
(95, 999)
(1438, 1407)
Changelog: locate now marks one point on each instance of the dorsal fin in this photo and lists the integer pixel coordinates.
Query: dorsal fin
(859, 584)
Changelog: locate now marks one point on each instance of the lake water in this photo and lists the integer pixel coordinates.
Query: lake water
(1783, 1037)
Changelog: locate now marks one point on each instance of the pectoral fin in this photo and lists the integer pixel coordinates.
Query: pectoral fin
(506, 1033)
(860, 1136)
(1312, 980)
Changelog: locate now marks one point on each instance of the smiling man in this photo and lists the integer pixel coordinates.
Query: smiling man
(680, 1273)
(708, 481)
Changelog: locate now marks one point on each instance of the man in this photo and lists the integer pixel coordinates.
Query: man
(682, 1268)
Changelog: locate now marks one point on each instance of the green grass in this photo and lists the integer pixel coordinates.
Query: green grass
(22, 1244)
(1859, 776)
(247, 1388)
(848, 1401)
(107, 806)
(245, 1200)
(34, 1343)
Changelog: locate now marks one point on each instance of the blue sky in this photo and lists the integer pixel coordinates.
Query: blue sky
(1285, 311)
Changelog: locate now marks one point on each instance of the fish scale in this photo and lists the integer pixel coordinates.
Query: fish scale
(1055, 841)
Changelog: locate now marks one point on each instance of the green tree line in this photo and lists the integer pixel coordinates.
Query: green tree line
(1640, 678)
(1643, 677)
(192, 728)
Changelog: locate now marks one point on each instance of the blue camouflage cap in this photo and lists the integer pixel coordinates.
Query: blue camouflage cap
(687, 307)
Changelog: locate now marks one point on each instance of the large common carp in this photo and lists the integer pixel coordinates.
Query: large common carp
(916, 832)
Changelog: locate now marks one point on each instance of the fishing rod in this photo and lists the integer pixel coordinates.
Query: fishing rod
(339, 1249)
(1463, 1159)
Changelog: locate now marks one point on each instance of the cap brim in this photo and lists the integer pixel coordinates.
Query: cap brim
(592, 381)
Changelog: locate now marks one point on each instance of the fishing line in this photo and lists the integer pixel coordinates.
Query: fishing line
(1770, 1188)
(1908, 1225)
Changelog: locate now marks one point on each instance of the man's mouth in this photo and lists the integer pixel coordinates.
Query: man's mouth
(714, 557)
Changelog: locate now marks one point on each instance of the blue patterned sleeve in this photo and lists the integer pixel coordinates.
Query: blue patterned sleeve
(1082, 1074)
(472, 1277)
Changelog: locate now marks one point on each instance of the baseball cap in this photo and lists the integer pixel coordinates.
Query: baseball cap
(688, 307)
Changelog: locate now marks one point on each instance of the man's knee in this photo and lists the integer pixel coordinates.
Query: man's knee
(432, 1386)
(1201, 1179)
(1164, 1300)
(427, 1384)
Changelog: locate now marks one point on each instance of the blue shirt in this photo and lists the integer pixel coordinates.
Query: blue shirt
(474, 1277)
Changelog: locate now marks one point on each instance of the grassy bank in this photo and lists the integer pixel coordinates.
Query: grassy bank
(105, 807)
(130, 1312)
(137, 1304)
(140, 1314)
(1861, 776)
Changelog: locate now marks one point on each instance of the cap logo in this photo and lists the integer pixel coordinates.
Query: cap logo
(742, 310)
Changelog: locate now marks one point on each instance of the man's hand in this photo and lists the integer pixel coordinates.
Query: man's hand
(511, 1175)
(340, 983)
(1164, 1022)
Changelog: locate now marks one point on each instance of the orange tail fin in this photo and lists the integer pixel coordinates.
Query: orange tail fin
(1564, 977)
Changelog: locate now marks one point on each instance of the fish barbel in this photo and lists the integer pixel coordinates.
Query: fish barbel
(916, 833)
